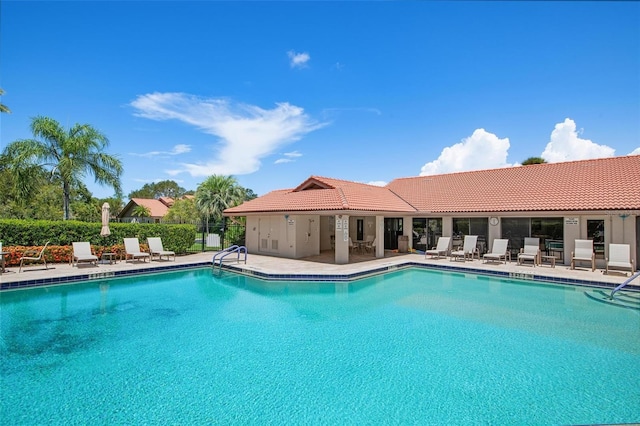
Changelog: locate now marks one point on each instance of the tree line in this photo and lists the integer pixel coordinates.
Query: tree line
(42, 178)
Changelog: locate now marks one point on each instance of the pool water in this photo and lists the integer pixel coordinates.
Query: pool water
(409, 347)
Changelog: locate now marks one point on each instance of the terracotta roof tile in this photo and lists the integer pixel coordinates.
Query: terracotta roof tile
(320, 193)
(156, 207)
(602, 184)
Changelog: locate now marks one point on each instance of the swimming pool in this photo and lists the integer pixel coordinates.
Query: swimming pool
(412, 346)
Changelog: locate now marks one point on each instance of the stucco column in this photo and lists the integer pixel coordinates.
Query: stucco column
(407, 229)
(342, 239)
(447, 226)
(379, 237)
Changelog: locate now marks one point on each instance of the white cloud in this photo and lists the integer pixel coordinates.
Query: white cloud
(173, 172)
(298, 60)
(635, 151)
(565, 144)
(288, 157)
(481, 150)
(246, 133)
(177, 149)
(377, 183)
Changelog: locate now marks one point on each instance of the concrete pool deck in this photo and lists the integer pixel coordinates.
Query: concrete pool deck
(318, 268)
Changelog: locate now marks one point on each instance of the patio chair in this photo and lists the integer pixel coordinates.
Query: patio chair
(583, 253)
(498, 251)
(30, 256)
(619, 258)
(530, 251)
(468, 248)
(441, 249)
(156, 249)
(132, 250)
(352, 246)
(370, 244)
(82, 254)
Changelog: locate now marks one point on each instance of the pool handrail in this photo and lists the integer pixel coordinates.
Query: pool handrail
(633, 277)
(226, 252)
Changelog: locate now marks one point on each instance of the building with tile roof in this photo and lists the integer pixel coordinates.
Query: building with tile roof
(557, 202)
(157, 209)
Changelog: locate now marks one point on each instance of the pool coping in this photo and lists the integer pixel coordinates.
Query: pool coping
(70, 279)
(241, 269)
(247, 270)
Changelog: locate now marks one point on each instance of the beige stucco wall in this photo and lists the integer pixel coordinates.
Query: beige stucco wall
(493, 233)
(327, 228)
(306, 235)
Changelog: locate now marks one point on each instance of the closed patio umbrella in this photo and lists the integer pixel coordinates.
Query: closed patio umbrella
(105, 220)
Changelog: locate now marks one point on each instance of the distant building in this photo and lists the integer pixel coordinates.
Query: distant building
(157, 209)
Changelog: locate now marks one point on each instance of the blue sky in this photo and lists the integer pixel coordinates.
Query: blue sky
(274, 92)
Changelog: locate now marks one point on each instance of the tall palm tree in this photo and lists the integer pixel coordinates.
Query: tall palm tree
(216, 194)
(4, 108)
(66, 155)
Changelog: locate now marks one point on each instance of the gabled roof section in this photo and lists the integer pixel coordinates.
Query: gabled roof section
(156, 207)
(167, 201)
(600, 184)
(320, 193)
(313, 182)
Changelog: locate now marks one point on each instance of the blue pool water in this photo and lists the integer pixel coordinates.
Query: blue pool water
(410, 347)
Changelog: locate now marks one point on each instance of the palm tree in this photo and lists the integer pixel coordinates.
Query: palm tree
(66, 156)
(141, 211)
(216, 194)
(4, 108)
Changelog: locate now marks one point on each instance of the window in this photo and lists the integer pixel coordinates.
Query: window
(595, 232)
(470, 226)
(426, 232)
(550, 230)
(392, 230)
(516, 229)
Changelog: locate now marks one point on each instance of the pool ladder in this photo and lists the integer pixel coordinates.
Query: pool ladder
(615, 290)
(226, 252)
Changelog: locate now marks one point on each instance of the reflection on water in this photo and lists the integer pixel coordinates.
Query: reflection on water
(420, 346)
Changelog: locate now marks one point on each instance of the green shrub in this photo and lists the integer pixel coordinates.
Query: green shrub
(17, 232)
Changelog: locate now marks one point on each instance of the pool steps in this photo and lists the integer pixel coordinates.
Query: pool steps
(219, 256)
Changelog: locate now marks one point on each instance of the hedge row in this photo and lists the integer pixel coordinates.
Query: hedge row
(35, 233)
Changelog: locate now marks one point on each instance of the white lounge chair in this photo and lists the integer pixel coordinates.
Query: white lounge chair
(619, 258)
(583, 252)
(82, 254)
(132, 250)
(468, 248)
(530, 251)
(27, 255)
(156, 249)
(498, 251)
(441, 249)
